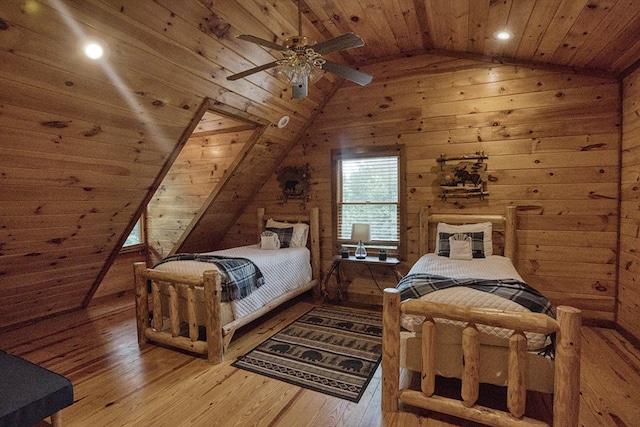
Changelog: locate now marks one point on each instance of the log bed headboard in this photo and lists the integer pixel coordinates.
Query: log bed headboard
(504, 229)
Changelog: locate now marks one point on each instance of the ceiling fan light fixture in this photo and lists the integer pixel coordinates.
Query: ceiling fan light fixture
(316, 73)
(296, 69)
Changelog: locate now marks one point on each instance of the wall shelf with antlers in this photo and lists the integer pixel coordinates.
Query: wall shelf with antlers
(465, 183)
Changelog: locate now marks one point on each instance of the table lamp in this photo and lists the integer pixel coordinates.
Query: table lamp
(360, 232)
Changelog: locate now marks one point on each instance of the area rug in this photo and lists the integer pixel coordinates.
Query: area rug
(332, 351)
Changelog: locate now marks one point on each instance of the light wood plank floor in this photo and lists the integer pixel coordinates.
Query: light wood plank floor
(118, 384)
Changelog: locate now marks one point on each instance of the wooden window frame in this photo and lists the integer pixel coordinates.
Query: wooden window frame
(360, 153)
(143, 238)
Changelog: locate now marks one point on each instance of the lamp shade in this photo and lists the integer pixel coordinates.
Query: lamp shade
(360, 232)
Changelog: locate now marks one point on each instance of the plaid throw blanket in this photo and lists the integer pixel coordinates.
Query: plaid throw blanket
(240, 276)
(418, 284)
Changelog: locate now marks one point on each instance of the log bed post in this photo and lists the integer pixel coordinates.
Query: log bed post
(212, 290)
(142, 301)
(390, 349)
(517, 382)
(314, 233)
(566, 389)
(423, 238)
(261, 214)
(470, 365)
(191, 314)
(510, 227)
(428, 381)
(174, 312)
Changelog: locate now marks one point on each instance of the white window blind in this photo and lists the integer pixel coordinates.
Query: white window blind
(368, 192)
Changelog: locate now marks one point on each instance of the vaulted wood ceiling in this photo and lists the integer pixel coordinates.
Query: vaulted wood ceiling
(591, 34)
(84, 145)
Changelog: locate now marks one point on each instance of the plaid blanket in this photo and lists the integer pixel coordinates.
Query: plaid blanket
(240, 276)
(418, 284)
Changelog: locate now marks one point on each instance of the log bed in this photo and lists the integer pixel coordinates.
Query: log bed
(565, 367)
(162, 325)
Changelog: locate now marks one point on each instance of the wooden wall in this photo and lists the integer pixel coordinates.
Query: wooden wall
(119, 279)
(84, 145)
(552, 138)
(211, 150)
(629, 282)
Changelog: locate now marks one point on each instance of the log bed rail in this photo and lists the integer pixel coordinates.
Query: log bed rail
(566, 373)
(166, 330)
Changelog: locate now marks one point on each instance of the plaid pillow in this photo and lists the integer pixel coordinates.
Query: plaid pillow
(284, 234)
(477, 244)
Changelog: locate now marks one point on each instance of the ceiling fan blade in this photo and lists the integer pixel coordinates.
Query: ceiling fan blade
(347, 73)
(345, 41)
(252, 71)
(261, 42)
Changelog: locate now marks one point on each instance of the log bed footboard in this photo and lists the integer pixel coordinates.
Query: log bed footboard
(153, 326)
(566, 371)
(153, 330)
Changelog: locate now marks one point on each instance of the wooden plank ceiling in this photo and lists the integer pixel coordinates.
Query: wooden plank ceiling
(84, 145)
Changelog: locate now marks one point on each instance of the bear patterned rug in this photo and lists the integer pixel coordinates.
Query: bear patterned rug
(331, 351)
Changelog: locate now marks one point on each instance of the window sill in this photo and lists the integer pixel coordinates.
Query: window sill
(133, 248)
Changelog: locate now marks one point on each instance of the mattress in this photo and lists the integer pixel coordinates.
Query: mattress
(284, 270)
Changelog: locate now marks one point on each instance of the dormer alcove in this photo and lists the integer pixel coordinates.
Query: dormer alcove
(196, 173)
(219, 141)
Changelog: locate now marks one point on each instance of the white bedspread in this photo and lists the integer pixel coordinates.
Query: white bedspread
(493, 267)
(283, 269)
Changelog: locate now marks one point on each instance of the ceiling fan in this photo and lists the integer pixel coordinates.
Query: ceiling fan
(301, 62)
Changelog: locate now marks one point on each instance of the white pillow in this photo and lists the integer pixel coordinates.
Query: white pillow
(269, 240)
(485, 227)
(300, 232)
(460, 247)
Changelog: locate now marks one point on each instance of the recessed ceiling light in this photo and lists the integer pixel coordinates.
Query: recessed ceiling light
(503, 35)
(93, 50)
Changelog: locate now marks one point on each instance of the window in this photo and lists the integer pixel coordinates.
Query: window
(368, 189)
(136, 238)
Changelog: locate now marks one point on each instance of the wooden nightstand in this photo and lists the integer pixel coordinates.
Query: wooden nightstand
(390, 262)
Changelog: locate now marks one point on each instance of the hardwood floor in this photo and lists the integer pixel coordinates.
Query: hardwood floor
(116, 383)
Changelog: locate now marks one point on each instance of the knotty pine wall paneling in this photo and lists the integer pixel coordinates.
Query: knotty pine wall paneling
(552, 138)
(84, 145)
(119, 280)
(628, 302)
(198, 169)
